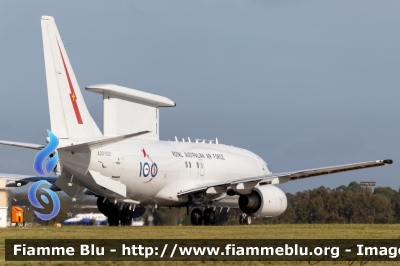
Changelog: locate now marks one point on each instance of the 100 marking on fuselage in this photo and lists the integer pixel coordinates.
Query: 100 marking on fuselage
(146, 169)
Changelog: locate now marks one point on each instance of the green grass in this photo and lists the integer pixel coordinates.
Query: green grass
(303, 231)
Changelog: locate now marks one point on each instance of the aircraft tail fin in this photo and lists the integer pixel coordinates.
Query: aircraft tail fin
(69, 116)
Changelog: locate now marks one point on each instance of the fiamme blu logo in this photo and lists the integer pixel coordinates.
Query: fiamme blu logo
(44, 163)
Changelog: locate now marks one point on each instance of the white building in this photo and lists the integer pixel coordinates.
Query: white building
(3, 203)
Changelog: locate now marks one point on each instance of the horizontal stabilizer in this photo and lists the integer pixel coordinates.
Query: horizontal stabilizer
(27, 178)
(22, 145)
(85, 147)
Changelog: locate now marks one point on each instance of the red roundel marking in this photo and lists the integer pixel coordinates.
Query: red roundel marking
(146, 169)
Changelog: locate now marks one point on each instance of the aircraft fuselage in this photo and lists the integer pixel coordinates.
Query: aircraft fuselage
(155, 171)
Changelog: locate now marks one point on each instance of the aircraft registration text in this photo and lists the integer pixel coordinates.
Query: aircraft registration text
(104, 153)
(198, 155)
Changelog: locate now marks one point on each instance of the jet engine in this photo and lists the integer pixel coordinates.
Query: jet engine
(16, 183)
(138, 212)
(264, 201)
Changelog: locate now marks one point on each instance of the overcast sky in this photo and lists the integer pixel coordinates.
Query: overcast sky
(303, 84)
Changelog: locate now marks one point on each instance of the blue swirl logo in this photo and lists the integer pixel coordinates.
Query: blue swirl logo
(43, 164)
(34, 201)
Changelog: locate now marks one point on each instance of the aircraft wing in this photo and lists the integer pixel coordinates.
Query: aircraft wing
(250, 182)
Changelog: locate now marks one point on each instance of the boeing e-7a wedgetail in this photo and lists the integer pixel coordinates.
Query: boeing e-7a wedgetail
(129, 168)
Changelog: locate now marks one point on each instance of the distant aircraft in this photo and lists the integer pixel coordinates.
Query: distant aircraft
(127, 166)
(87, 219)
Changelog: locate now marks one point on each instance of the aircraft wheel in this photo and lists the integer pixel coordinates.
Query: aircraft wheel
(125, 217)
(102, 206)
(195, 217)
(209, 217)
(113, 217)
(245, 219)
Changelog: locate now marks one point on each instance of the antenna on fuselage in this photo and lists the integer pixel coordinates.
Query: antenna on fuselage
(176, 139)
(216, 140)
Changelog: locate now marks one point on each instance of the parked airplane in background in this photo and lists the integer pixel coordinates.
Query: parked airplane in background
(87, 219)
(128, 168)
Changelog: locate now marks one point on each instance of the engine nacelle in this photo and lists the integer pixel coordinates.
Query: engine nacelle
(264, 201)
(138, 212)
(16, 183)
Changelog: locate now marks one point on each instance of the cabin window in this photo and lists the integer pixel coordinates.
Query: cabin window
(190, 165)
(186, 164)
(197, 164)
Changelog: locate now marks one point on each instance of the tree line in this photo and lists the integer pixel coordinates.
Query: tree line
(344, 204)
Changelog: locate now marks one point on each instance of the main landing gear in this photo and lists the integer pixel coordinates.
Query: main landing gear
(113, 215)
(125, 217)
(197, 217)
(116, 216)
(207, 217)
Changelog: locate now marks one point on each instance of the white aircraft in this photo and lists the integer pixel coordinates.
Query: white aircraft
(87, 219)
(129, 168)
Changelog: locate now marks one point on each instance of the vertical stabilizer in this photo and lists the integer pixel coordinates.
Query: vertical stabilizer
(69, 116)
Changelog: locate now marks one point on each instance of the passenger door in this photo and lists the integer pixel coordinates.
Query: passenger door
(116, 166)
